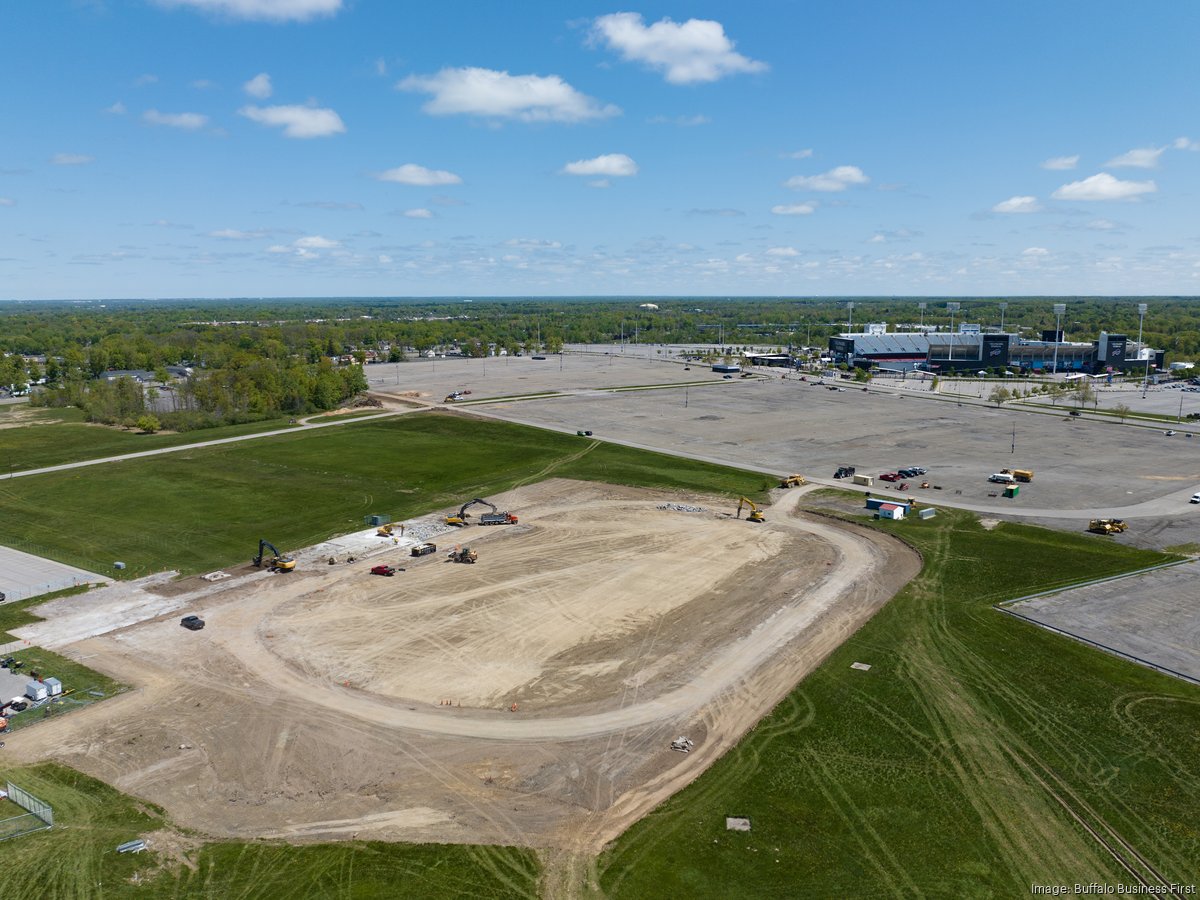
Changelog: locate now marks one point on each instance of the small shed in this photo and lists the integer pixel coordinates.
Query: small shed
(877, 503)
(727, 368)
(35, 691)
(54, 686)
(891, 511)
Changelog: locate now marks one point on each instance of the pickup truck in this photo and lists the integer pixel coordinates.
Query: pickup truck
(382, 570)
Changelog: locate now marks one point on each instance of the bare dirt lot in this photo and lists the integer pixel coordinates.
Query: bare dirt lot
(315, 704)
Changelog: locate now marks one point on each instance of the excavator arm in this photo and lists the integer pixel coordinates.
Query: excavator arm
(755, 513)
(462, 510)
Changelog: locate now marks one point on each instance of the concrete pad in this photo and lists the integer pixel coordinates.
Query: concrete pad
(1151, 617)
(25, 575)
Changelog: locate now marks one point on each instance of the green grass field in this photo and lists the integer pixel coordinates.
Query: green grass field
(949, 768)
(51, 437)
(78, 858)
(200, 510)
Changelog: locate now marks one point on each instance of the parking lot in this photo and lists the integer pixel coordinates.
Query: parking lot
(1150, 616)
(24, 575)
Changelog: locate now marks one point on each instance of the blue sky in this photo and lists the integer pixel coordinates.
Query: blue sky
(210, 148)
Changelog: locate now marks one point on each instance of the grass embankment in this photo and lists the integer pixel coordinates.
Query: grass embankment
(79, 859)
(200, 510)
(948, 769)
(52, 437)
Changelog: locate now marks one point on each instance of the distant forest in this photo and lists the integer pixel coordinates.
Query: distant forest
(255, 358)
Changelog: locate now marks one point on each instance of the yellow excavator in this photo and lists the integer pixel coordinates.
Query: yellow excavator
(755, 514)
(390, 528)
(277, 562)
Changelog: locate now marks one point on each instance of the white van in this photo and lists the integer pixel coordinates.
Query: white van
(1003, 478)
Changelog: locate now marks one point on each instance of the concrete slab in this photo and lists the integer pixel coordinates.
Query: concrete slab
(1153, 617)
(25, 575)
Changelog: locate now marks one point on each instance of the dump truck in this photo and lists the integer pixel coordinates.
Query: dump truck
(793, 481)
(424, 549)
(1023, 475)
(1107, 526)
(755, 514)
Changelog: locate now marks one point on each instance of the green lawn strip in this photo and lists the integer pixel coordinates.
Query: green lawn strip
(542, 395)
(36, 446)
(199, 510)
(16, 613)
(78, 857)
(931, 773)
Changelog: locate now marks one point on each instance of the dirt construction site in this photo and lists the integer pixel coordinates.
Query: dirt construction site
(530, 698)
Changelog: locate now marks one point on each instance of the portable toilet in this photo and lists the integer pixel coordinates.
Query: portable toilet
(1011, 491)
(54, 686)
(36, 691)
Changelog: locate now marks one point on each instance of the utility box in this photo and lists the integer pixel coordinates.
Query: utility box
(1011, 491)
(864, 480)
(35, 691)
(54, 686)
(376, 521)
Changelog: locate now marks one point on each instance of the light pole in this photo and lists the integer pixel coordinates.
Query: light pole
(921, 307)
(1003, 307)
(1142, 307)
(850, 311)
(1059, 309)
(952, 308)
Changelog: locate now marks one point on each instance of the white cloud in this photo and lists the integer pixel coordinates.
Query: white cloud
(837, 179)
(418, 214)
(1183, 143)
(1035, 252)
(681, 121)
(1018, 205)
(314, 242)
(486, 92)
(689, 52)
(233, 234)
(612, 165)
(533, 244)
(795, 209)
(600, 183)
(1104, 187)
(7, 201)
(411, 173)
(1141, 158)
(188, 121)
(143, 80)
(297, 121)
(278, 248)
(798, 154)
(203, 84)
(261, 10)
(1061, 162)
(1101, 225)
(259, 86)
(71, 159)
(117, 109)
(783, 251)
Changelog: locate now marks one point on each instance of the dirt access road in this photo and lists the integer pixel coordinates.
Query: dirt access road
(313, 705)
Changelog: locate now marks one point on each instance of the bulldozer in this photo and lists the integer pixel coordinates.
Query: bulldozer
(462, 555)
(755, 514)
(1107, 526)
(793, 481)
(277, 562)
(495, 517)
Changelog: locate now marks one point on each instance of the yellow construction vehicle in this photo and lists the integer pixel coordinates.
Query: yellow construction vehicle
(793, 481)
(1107, 526)
(463, 555)
(755, 514)
(276, 563)
(390, 528)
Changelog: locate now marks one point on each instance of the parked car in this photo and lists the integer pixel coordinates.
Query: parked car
(890, 476)
(584, 433)
(1195, 498)
(192, 623)
(907, 473)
